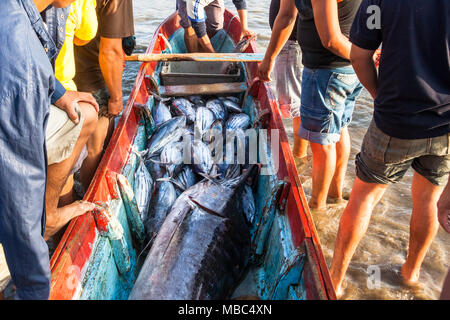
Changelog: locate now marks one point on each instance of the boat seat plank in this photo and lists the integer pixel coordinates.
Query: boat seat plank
(199, 89)
(202, 57)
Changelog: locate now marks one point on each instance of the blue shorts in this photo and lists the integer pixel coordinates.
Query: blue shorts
(327, 103)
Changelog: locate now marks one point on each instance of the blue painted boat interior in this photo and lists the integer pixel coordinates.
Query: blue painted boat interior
(276, 267)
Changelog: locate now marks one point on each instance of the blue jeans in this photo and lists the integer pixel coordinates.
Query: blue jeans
(327, 103)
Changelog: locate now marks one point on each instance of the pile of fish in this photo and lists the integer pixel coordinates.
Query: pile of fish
(199, 206)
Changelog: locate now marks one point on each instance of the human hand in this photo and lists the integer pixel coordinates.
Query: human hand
(376, 57)
(70, 99)
(247, 33)
(264, 70)
(115, 107)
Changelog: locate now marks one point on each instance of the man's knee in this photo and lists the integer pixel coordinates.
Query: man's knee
(90, 118)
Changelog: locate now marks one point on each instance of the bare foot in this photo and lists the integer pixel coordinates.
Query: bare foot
(409, 277)
(336, 202)
(63, 215)
(314, 206)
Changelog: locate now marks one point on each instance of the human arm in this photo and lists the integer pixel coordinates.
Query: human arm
(326, 19)
(282, 29)
(79, 42)
(241, 7)
(111, 59)
(364, 66)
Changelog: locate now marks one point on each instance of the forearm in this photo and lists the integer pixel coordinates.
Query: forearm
(244, 18)
(205, 42)
(78, 42)
(281, 32)
(111, 64)
(339, 45)
(367, 74)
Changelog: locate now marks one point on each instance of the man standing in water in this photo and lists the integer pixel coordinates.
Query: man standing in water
(99, 69)
(329, 86)
(202, 19)
(288, 76)
(411, 123)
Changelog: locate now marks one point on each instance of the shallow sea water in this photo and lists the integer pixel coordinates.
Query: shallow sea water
(385, 245)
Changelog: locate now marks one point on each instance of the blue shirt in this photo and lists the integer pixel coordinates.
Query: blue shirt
(55, 19)
(26, 84)
(413, 100)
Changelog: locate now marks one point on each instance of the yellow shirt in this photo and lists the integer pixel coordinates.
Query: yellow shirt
(81, 23)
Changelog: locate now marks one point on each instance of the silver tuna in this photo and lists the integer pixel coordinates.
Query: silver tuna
(183, 107)
(161, 113)
(167, 132)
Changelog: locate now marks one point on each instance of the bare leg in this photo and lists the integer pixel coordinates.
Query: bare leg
(66, 197)
(424, 225)
(352, 227)
(95, 148)
(57, 177)
(300, 145)
(342, 155)
(191, 40)
(324, 164)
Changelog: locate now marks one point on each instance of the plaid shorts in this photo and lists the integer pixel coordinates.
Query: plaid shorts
(384, 159)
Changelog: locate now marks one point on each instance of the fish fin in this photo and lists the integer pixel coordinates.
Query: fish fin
(173, 181)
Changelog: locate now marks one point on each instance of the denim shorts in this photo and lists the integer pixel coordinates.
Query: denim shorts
(288, 79)
(327, 103)
(384, 159)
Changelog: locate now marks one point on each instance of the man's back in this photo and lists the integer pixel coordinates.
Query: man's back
(413, 99)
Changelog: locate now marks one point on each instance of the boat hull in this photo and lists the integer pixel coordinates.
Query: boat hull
(89, 265)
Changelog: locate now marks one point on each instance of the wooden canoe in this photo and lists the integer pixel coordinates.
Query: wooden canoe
(89, 264)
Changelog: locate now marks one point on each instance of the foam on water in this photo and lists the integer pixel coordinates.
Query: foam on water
(386, 242)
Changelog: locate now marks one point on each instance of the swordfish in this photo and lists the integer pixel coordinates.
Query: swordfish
(202, 248)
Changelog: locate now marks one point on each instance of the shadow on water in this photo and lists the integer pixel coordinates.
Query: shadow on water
(385, 245)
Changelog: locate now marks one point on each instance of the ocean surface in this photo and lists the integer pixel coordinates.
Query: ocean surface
(383, 250)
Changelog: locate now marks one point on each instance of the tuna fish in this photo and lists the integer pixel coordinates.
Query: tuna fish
(161, 113)
(160, 205)
(167, 132)
(197, 101)
(216, 130)
(231, 106)
(248, 204)
(183, 107)
(172, 157)
(156, 169)
(203, 121)
(186, 178)
(202, 159)
(217, 108)
(238, 121)
(202, 248)
(143, 187)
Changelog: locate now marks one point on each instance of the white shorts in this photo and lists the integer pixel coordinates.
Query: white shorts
(288, 75)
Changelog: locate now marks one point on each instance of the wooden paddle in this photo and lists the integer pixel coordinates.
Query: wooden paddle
(202, 57)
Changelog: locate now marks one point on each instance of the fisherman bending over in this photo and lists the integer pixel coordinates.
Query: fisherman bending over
(202, 19)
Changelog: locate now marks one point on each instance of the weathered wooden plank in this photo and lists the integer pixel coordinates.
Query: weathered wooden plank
(201, 57)
(192, 89)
